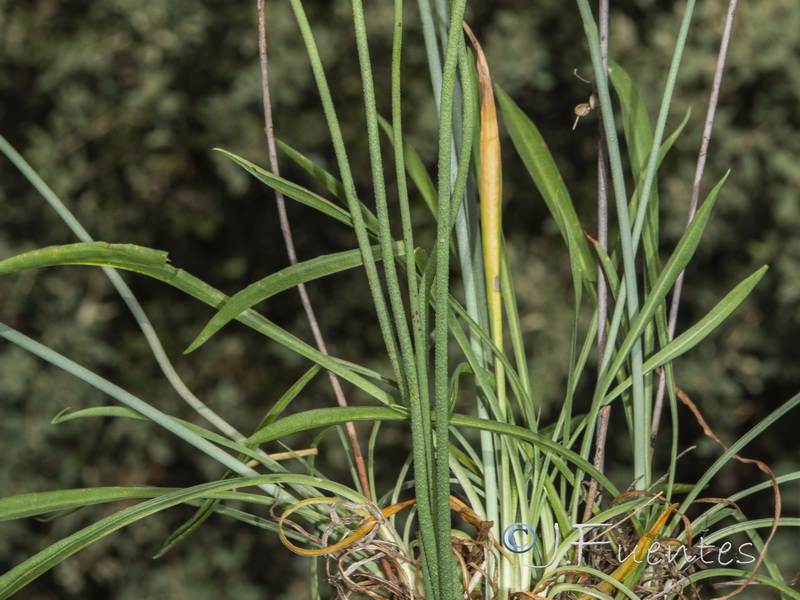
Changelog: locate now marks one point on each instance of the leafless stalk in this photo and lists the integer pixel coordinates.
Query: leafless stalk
(698, 176)
(602, 289)
(287, 238)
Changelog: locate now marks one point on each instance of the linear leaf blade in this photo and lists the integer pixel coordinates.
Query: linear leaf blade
(39, 503)
(329, 181)
(24, 573)
(699, 331)
(534, 153)
(635, 121)
(120, 256)
(284, 279)
(677, 262)
(291, 190)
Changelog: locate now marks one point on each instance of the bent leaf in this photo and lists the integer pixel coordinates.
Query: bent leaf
(26, 572)
(154, 264)
(102, 254)
(124, 412)
(325, 417)
(40, 503)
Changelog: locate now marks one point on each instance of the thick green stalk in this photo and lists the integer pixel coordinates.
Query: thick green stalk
(467, 234)
(447, 582)
(420, 340)
(417, 380)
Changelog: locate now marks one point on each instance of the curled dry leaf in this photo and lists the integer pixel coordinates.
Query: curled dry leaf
(684, 397)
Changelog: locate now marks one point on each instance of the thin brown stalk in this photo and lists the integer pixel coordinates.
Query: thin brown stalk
(713, 101)
(602, 288)
(290, 250)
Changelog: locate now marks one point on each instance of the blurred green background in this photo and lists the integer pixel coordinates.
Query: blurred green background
(118, 105)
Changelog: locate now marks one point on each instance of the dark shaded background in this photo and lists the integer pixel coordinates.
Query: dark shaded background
(118, 103)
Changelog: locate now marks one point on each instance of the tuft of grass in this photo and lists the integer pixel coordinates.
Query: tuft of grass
(525, 493)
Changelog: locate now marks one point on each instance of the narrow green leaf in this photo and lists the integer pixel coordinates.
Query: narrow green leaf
(670, 141)
(200, 516)
(739, 575)
(534, 153)
(607, 264)
(120, 411)
(326, 417)
(697, 332)
(284, 279)
(23, 574)
(210, 506)
(291, 190)
(323, 417)
(700, 330)
(119, 256)
(676, 263)
(331, 183)
(737, 446)
(38, 503)
(635, 121)
(97, 411)
(290, 394)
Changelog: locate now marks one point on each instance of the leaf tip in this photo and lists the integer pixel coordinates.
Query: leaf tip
(60, 417)
(199, 341)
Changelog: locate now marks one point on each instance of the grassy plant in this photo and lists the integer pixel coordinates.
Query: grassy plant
(497, 467)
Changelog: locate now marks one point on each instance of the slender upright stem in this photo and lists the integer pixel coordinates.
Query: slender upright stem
(353, 204)
(602, 287)
(286, 231)
(602, 194)
(447, 584)
(713, 101)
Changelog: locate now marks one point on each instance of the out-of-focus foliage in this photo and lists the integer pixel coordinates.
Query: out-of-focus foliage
(118, 104)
